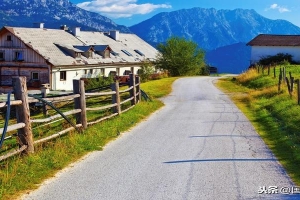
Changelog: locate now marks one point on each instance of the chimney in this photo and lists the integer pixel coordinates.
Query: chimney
(38, 25)
(76, 31)
(114, 35)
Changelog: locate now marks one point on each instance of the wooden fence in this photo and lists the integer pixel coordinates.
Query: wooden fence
(283, 78)
(23, 124)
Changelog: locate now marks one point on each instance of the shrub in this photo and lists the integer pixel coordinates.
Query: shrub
(146, 71)
(279, 58)
(93, 83)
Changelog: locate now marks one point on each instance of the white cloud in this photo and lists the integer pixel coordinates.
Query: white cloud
(120, 8)
(281, 9)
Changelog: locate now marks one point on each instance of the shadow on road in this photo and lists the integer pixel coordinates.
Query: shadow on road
(223, 160)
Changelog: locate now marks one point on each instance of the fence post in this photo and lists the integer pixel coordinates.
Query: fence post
(268, 70)
(280, 71)
(292, 81)
(298, 90)
(45, 108)
(79, 103)
(116, 97)
(138, 88)
(284, 74)
(133, 91)
(279, 80)
(288, 85)
(23, 113)
(274, 71)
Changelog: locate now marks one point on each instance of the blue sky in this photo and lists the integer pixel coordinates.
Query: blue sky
(130, 12)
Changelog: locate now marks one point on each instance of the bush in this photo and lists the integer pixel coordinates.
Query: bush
(93, 83)
(279, 58)
(205, 70)
(146, 71)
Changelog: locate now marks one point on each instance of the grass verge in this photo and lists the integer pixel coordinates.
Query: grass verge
(23, 173)
(274, 114)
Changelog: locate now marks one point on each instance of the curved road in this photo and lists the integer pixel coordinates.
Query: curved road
(199, 146)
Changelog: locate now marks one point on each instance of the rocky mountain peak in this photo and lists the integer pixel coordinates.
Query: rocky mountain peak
(54, 13)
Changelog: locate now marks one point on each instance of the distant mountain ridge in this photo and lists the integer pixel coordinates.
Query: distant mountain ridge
(222, 33)
(210, 28)
(53, 13)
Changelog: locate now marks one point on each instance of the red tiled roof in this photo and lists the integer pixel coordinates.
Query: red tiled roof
(275, 40)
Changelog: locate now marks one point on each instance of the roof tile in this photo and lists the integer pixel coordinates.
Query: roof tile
(275, 40)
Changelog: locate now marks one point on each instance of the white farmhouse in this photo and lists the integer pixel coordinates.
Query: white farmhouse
(269, 45)
(57, 56)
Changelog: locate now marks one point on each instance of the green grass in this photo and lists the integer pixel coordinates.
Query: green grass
(275, 114)
(23, 173)
(158, 88)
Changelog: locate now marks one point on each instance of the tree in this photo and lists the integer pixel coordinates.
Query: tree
(180, 57)
(147, 69)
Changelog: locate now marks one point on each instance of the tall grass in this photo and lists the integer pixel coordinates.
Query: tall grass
(22, 173)
(274, 114)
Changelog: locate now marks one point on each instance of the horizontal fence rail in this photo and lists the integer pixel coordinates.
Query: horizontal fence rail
(13, 127)
(120, 101)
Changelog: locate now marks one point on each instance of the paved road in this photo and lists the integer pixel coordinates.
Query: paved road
(199, 146)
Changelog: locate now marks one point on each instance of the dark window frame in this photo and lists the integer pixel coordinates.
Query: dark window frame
(126, 52)
(114, 53)
(18, 56)
(139, 52)
(78, 55)
(33, 75)
(2, 55)
(63, 75)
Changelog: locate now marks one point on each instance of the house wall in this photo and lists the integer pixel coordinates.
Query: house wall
(67, 84)
(84, 72)
(30, 61)
(257, 52)
(8, 72)
(10, 47)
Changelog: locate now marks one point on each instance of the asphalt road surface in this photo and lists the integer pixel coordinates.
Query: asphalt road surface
(199, 146)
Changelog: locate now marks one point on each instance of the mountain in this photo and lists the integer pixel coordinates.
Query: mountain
(212, 29)
(233, 58)
(53, 13)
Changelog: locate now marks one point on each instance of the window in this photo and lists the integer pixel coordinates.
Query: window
(106, 54)
(18, 56)
(102, 71)
(88, 71)
(114, 53)
(126, 52)
(139, 52)
(2, 55)
(77, 55)
(127, 72)
(90, 54)
(35, 76)
(63, 75)
(8, 38)
(112, 73)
